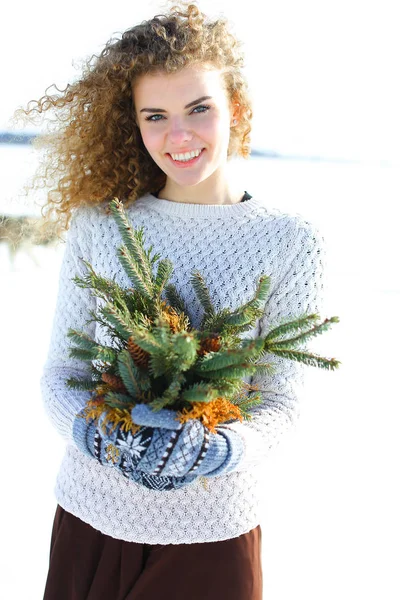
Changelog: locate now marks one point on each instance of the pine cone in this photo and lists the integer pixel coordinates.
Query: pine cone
(114, 382)
(139, 356)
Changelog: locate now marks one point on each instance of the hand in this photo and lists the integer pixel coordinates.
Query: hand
(163, 454)
(122, 451)
(179, 450)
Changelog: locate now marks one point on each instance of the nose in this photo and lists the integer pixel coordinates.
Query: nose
(179, 133)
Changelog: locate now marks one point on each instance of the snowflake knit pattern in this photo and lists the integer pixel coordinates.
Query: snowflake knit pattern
(231, 245)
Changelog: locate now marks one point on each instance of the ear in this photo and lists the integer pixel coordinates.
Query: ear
(235, 113)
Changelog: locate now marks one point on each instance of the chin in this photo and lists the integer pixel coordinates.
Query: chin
(189, 182)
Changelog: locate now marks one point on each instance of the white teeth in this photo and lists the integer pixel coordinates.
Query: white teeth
(187, 156)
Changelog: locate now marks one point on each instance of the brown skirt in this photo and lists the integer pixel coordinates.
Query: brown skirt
(85, 564)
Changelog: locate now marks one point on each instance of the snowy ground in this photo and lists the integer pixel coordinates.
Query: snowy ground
(330, 526)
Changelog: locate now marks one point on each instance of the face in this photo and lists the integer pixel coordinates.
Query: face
(185, 112)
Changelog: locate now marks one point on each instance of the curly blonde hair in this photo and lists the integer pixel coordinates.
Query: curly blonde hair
(95, 151)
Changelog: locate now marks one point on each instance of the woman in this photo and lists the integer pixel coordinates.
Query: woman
(153, 121)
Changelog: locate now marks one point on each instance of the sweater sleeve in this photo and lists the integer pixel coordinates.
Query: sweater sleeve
(298, 292)
(72, 311)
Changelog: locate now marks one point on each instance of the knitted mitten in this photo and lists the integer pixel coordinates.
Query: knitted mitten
(121, 450)
(164, 454)
(177, 449)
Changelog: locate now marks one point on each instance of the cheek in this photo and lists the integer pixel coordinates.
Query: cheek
(207, 131)
(218, 128)
(151, 139)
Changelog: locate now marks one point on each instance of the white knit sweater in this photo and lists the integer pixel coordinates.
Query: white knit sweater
(231, 245)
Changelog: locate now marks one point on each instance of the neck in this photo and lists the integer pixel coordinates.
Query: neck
(214, 190)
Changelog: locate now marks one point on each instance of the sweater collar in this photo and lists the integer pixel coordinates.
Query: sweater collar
(186, 209)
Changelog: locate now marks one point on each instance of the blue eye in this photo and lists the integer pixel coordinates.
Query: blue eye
(204, 108)
(151, 118)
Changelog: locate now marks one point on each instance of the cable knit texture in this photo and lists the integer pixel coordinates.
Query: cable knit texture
(231, 245)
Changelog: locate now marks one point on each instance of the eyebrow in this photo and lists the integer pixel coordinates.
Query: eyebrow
(161, 110)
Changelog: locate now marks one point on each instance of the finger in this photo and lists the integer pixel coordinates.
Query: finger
(142, 414)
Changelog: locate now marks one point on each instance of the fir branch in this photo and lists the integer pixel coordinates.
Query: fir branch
(250, 402)
(149, 340)
(100, 351)
(202, 293)
(81, 384)
(133, 240)
(106, 289)
(242, 317)
(228, 387)
(108, 327)
(248, 313)
(170, 395)
(177, 373)
(304, 336)
(82, 354)
(158, 344)
(129, 373)
(174, 299)
(164, 272)
(306, 358)
(214, 361)
(264, 369)
(232, 372)
(217, 322)
(142, 284)
(299, 324)
(118, 400)
(159, 364)
(120, 321)
(184, 347)
(261, 293)
(200, 392)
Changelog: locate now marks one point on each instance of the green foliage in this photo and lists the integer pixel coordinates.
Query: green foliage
(202, 293)
(200, 392)
(177, 374)
(97, 351)
(248, 313)
(164, 271)
(116, 400)
(170, 395)
(80, 384)
(215, 361)
(121, 321)
(130, 375)
(271, 341)
(246, 406)
(133, 242)
(288, 327)
(174, 299)
(306, 358)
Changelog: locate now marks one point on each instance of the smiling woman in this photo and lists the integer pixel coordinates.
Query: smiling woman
(154, 120)
(100, 147)
(188, 140)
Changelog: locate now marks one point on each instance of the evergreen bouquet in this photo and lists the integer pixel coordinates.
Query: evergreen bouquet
(157, 358)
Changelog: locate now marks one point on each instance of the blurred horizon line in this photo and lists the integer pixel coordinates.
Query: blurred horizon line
(25, 138)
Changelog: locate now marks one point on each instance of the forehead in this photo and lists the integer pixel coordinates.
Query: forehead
(188, 84)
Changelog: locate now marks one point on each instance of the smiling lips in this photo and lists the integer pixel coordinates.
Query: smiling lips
(185, 159)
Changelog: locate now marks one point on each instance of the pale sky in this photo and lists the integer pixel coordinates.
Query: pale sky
(323, 74)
